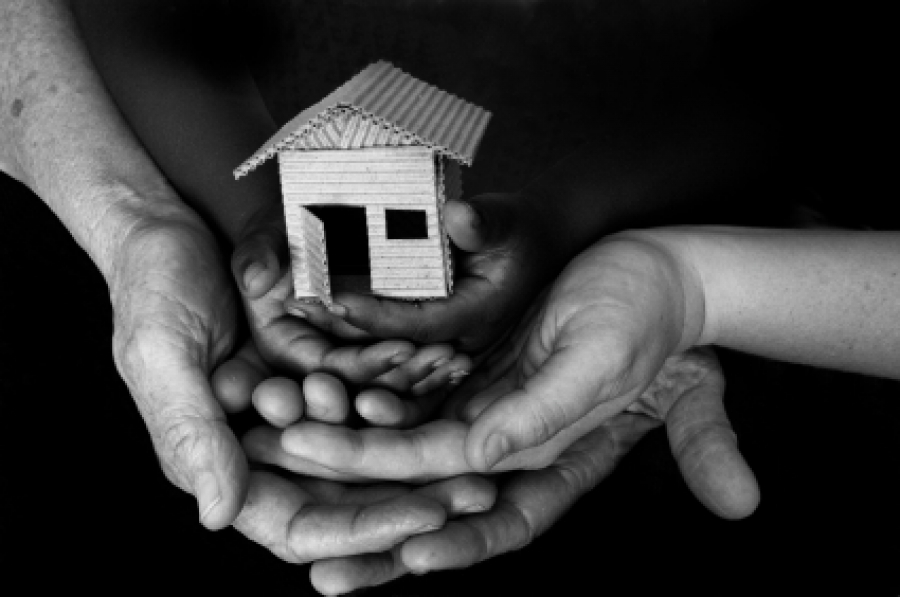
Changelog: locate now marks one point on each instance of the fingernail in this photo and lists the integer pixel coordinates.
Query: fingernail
(457, 376)
(440, 363)
(207, 494)
(473, 509)
(338, 310)
(400, 358)
(495, 448)
(252, 272)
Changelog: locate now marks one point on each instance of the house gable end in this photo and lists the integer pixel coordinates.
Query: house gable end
(386, 97)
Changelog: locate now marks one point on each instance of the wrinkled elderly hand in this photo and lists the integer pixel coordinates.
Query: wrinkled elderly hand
(175, 319)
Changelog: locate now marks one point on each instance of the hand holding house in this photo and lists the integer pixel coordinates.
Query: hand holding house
(390, 146)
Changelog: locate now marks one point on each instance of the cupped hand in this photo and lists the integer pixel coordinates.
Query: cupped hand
(506, 253)
(175, 319)
(303, 520)
(687, 396)
(297, 346)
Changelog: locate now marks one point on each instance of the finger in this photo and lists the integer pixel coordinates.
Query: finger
(263, 444)
(570, 384)
(465, 494)
(282, 516)
(480, 223)
(361, 364)
(432, 450)
(451, 373)
(257, 260)
(705, 447)
(331, 322)
(528, 504)
(420, 365)
(234, 380)
(279, 401)
(326, 398)
(328, 531)
(383, 408)
(338, 576)
(426, 322)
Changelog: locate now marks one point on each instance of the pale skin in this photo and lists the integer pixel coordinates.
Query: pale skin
(175, 315)
(171, 68)
(633, 300)
(687, 396)
(175, 312)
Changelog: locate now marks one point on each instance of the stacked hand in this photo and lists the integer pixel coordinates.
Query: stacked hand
(175, 320)
(686, 395)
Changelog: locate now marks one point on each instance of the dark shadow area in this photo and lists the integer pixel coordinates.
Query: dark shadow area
(85, 505)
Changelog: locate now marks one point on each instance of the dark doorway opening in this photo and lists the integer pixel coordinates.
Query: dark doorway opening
(347, 247)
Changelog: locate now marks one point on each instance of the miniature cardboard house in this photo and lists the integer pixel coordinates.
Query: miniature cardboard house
(388, 144)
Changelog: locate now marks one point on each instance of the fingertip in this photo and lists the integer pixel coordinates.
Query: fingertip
(718, 475)
(735, 491)
(325, 398)
(464, 225)
(380, 407)
(233, 383)
(279, 401)
(221, 492)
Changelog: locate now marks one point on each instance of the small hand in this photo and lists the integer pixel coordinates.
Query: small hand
(506, 255)
(296, 347)
(246, 378)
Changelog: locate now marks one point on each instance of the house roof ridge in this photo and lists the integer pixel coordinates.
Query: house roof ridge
(386, 93)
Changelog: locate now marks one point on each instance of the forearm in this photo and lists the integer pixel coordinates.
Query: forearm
(62, 136)
(824, 298)
(675, 168)
(174, 72)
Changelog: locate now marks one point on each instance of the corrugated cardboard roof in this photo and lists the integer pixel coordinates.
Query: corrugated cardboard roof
(386, 94)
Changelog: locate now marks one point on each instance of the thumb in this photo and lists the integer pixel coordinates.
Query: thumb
(257, 260)
(481, 222)
(705, 447)
(197, 449)
(564, 389)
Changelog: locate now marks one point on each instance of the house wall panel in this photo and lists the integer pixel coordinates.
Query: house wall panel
(405, 272)
(373, 154)
(407, 283)
(413, 293)
(405, 262)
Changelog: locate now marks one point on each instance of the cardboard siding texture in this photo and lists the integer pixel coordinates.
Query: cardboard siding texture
(401, 178)
(382, 106)
(309, 261)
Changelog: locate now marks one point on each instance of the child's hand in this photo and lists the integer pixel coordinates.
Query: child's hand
(296, 347)
(507, 253)
(281, 401)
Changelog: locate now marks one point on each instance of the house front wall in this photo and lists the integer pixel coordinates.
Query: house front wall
(404, 179)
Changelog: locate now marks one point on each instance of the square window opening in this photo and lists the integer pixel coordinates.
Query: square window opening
(406, 224)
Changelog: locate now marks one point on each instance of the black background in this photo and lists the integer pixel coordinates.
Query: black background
(86, 507)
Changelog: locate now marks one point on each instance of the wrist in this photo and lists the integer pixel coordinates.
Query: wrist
(676, 250)
(115, 214)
